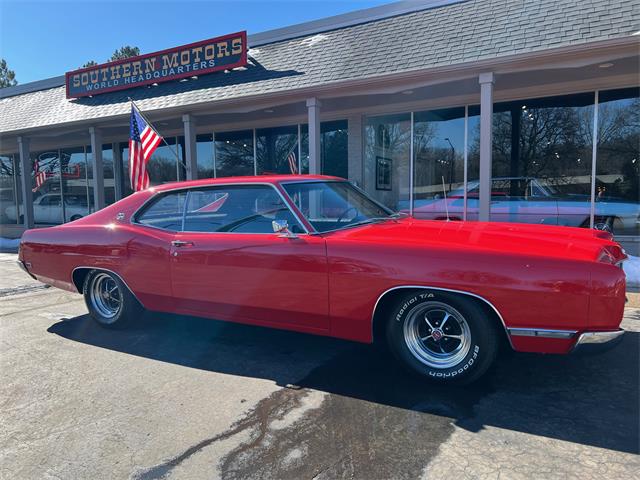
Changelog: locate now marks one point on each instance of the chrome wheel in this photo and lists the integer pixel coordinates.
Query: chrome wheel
(106, 297)
(437, 335)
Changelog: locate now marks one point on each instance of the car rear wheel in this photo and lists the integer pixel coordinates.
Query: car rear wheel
(109, 301)
(442, 336)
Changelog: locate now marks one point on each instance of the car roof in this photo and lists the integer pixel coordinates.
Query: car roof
(273, 179)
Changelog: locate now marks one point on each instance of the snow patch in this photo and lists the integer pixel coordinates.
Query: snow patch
(9, 243)
(631, 268)
(309, 42)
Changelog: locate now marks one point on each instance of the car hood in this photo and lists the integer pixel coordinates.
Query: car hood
(515, 238)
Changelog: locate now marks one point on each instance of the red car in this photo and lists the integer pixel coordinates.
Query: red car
(315, 254)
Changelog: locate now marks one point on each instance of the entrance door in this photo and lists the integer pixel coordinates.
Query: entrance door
(229, 264)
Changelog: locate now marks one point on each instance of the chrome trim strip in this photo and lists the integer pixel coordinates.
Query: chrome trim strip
(598, 337)
(423, 287)
(133, 217)
(541, 332)
(108, 271)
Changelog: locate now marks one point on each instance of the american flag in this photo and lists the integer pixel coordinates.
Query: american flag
(293, 163)
(143, 140)
(40, 176)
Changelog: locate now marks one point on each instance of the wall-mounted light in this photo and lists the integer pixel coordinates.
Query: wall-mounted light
(605, 65)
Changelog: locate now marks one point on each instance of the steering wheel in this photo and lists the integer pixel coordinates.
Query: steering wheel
(347, 210)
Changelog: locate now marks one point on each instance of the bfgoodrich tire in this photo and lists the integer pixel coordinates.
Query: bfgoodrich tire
(442, 336)
(110, 303)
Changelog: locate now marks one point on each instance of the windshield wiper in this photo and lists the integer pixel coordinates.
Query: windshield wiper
(395, 216)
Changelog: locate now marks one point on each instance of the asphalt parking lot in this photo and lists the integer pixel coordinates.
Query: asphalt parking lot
(178, 397)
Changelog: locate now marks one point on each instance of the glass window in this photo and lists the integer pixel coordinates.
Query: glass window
(163, 165)
(46, 179)
(204, 151)
(126, 179)
(234, 153)
(473, 162)
(75, 183)
(545, 142)
(277, 150)
(237, 209)
(9, 190)
(165, 211)
(334, 153)
(439, 164)
(387, 159)
(617, 206)
(109, 176)
(333, 205)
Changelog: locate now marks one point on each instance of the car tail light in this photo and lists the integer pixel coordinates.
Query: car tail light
(613, 255)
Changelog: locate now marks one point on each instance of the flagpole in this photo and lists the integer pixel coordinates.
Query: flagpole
(175, 153)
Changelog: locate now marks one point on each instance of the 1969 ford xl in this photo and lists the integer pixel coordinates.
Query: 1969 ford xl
(315, 254)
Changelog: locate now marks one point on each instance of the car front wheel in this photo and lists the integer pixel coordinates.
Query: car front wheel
(109, 301)
(442, 336)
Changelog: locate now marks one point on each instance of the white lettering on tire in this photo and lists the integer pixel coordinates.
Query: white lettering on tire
(460, 370)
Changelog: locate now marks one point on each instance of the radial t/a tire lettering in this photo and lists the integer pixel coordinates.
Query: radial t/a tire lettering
(442, 336)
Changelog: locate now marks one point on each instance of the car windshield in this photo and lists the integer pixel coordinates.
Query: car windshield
(334, 205)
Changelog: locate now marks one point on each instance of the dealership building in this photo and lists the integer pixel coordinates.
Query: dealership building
(522, 111)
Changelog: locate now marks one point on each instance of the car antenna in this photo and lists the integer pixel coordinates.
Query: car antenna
(444, 191)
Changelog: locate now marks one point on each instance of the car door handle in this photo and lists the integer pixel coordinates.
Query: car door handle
(181, 243)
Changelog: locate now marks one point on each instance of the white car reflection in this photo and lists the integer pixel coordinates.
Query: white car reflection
(527, 200)
(47, 208)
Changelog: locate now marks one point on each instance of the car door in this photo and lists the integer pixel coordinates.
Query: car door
(229, 264)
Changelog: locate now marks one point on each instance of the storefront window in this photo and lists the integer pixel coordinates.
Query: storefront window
(126, 180)
(387, 159)
(277, 150)
(46, 185)
(473, 161)
(109, 175)
(204, 152)
(439, 164)
(542, 161)
(234, 153)
(617, 199)
(75, 183)
(166, 163)
(9, 190)
(334, 153)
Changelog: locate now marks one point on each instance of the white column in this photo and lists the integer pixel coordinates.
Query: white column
(313, 108)
(486, 118)
(118, 180)
(98, 168)
(191, 160)
(25, 181)
(355, 150)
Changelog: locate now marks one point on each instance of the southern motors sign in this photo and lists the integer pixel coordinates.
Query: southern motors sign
(198, 58)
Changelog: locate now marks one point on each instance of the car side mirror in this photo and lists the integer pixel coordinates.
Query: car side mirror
(282, 227)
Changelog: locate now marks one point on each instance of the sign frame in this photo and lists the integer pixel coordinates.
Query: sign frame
(240, 63)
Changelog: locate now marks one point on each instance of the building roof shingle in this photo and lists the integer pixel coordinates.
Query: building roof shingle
(450, 34)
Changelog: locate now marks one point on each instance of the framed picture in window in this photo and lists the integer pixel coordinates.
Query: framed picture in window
(383, 173)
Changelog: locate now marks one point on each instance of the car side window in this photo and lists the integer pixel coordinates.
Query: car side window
(237, 209)
(165, 211)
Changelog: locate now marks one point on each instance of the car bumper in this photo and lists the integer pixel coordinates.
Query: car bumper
(23, 267)
(596, 342)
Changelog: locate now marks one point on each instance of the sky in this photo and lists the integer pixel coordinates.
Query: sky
(42, 39)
